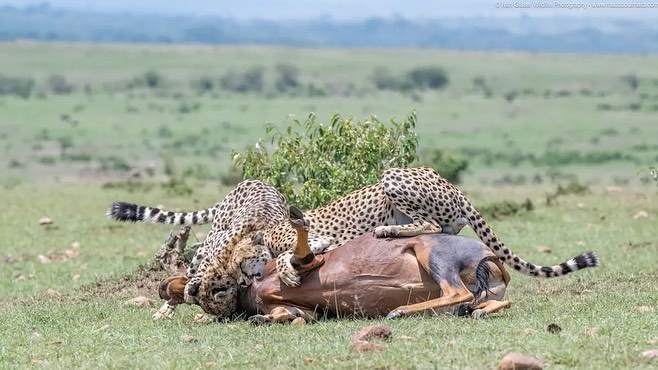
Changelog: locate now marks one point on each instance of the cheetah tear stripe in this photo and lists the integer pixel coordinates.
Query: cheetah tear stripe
(129, 212)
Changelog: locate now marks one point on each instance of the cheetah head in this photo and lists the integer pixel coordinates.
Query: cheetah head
(218, 294)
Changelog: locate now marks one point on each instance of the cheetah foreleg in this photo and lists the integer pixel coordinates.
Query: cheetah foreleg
(414, 229)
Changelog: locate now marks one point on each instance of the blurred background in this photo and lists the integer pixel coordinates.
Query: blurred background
(506, 93)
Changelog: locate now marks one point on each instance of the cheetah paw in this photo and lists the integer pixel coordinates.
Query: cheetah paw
(164, 313)
(290, 278)
(384, 231)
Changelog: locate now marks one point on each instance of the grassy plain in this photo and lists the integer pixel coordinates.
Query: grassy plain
(64, 309)
(537, 105)
(78, 302)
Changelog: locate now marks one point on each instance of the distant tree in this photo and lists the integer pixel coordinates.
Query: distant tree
(431, 77)
(287, 78)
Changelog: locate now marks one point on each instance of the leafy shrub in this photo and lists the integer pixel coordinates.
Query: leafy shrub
(450, 165)
(114, 163)
(313, 164)
(505, 208)
(287, 78)
(252, 80)
(151, 79)
(59, 85)
(18, 86)
(430, 77)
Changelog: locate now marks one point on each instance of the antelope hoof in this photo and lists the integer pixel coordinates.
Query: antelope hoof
(396, 314)
(479, 314)
(259, 320)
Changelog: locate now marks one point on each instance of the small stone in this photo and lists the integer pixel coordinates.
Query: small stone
(21, 277)
(309, 360)
(640, 214)
(650, 353)
(544, 249)
(202, 318)
(45, 221)
(653, 341)
(580, 243)
(405, 337)
(142, 254)
(644, 309)
(189, 338)
(52, 293)
(75, 245)
(614, 189)
(43, 259)
(140, 302)
(36, 361)
(580, 205)
(76, 277)
(519, 361)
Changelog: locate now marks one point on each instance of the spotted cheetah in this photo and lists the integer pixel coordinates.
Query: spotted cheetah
(406, 202)
(252, 205)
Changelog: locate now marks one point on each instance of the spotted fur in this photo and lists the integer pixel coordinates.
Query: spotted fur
(251, 206)
(406, 202)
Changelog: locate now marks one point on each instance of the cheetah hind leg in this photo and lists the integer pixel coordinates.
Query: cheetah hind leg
(413, 229)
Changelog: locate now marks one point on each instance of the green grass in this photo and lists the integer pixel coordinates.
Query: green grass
(141, 125)
(96, 330)
(78, 302)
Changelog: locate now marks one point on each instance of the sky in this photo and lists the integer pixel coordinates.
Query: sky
(349, 9)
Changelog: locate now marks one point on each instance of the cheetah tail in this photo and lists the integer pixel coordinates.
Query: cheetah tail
(484, 232)
(129, 212)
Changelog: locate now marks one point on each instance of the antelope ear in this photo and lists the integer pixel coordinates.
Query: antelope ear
(296, 213)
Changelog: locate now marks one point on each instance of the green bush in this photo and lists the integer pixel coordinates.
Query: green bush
(429, 77)
(450, 165)
(19, 86)
(313, 164)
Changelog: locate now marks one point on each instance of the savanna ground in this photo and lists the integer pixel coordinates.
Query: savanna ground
(529, 122)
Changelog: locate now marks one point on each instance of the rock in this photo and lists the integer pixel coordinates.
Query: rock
(519, 361)
(650, 353)
(140, 302)
(544, 249)
(614, 189)
(592, 333)
(639, 215)
(75, 245)
(189, 338)
(43, 259)
(76, 277)
(45, 221)
(644, 309)
(52, 293)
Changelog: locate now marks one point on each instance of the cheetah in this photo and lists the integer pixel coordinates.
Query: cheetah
(252, 205)
(406, 202)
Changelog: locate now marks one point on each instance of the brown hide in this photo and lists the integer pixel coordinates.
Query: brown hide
(368, 277)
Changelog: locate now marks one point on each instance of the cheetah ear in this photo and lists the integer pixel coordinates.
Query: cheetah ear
(257, 237)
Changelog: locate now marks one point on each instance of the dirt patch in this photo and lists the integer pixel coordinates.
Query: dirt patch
(141, 282)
